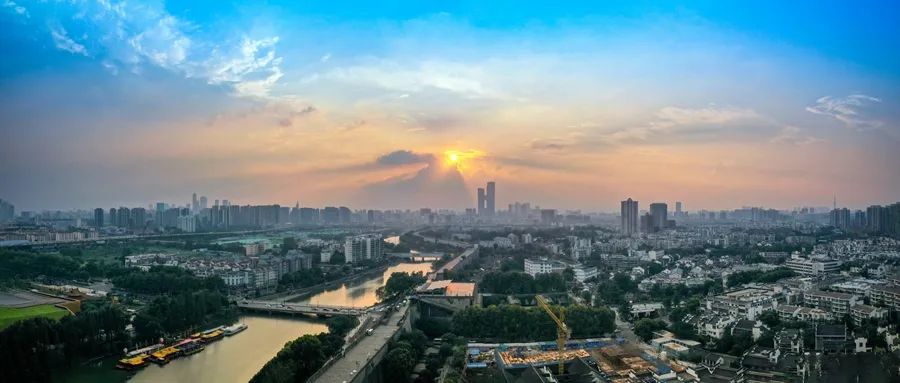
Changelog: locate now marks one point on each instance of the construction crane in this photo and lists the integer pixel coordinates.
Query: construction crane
(562, 331)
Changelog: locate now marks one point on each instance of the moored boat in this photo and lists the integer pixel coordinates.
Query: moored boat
(212, 335)
(189, 347)
(133, 363)
(234, 329)
(163, 356)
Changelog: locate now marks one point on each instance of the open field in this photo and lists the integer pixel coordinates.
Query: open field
(10, 315)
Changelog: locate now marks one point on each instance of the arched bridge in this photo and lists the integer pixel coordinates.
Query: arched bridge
(301, 308)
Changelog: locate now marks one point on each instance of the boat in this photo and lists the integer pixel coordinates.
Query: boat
(234, 329)
(146, 350)
(164, 355)
(212, 335)
(133, 363)
(189, 347)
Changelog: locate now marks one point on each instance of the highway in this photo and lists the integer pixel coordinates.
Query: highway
(358, 358)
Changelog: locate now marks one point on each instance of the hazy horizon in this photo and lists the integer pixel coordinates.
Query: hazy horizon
(408, 105)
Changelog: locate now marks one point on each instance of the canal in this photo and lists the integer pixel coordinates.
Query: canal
(239, 357)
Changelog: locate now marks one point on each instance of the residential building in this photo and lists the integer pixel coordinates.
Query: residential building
(744, 303)
(837, 303)
(629, 217)
(535, 267)
(363, 247)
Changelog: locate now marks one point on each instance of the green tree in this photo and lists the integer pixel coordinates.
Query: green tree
(644, 328)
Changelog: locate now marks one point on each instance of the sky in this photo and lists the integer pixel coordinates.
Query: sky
(408, 104)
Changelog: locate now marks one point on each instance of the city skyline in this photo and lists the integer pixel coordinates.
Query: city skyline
(413, 105)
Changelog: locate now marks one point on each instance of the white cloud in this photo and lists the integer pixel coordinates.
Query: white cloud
(849, 110)
(793, 135)
(62, 41)
(673, 117)
(131, 35)
(253, 69)
(465, 80)
(16, 7)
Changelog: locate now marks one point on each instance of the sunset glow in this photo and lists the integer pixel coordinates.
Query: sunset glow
(274, 104)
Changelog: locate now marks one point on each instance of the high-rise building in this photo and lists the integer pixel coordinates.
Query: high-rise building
(481, 201)
(195, 205)
(629, 217)
(138, 218)
(98, 217)
(7, 211)
(875, 218)
(487, 200)
(113, 217)
(660, 213)
(363, 247)
(840, 218)
(647, 223)
(203, 202)
(330, 215)
(678, 211)
(123, 217)
(491, 199)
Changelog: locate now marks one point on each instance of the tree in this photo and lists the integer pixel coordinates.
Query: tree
(770, 318)
(683, 330)
(341, 325)
(288, 244)
(644, 328)
(399, 363)
(400, 283)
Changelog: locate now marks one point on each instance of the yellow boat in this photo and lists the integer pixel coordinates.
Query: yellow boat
(212, 336)
(163, 356)
(133, 363)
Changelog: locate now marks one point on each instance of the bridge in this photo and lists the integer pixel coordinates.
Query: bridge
(301, 308)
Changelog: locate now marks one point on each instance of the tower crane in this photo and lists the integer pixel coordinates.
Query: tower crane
(562, 331)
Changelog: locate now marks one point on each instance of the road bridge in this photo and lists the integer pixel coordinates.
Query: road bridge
(301, 308)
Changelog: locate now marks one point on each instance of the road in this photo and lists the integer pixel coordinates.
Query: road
(359, 357)
(442, 241)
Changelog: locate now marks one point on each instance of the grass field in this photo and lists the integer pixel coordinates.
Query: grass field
(10, 315)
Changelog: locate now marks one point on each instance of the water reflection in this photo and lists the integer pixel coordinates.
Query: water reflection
(238, 358)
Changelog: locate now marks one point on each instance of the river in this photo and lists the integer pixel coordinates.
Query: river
(239, 357)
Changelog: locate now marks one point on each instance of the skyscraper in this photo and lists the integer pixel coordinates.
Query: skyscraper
(491, 199)
(98, 217)
(203, 202)
(194, 204)
(678, 211)
(487, 200)
(113, 217)
(660, 213)
(481, 201)
(7, 211)
(629, 217)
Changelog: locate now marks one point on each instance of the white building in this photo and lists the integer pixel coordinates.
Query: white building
(583, 273)
(812, 266)
(363, 247)
(187, 224)
(534, 267)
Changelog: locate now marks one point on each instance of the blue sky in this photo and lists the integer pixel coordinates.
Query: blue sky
(719, 104)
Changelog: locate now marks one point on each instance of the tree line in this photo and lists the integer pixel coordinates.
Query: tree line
(302, 357)
(757, 276)
(400, 283)
(165, 280)
(513, 323)
(33, 348)
(512, 282)
(188, 310)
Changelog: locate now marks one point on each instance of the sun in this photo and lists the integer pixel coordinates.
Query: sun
(460, 159)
